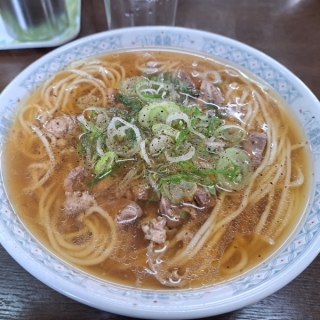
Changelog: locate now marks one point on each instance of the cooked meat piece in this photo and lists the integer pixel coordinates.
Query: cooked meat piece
(129, 213)
(200, 197)
(183, 76)
(61, 126)
(210, 93)
(73, 181)
(141, 190)
(78, 202)
(154, 230)
(203, 199)
(174, 213)
(211, 201)
(254, 145)
(170, 212)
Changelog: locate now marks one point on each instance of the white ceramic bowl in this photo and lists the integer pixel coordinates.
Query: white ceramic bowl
(184, 304)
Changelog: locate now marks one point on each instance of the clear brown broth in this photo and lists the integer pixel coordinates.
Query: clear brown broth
(123, 268)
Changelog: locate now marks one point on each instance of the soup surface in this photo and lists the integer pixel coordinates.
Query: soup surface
(157, 169)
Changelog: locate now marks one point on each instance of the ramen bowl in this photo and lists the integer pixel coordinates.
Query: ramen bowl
(285, 264)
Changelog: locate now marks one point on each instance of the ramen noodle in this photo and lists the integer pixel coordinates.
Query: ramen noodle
(157, 169)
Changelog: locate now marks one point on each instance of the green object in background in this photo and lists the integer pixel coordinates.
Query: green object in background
(34, 20)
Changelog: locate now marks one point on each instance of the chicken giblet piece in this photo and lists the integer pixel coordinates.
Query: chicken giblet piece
(254, 145)
(61, 126)
(74, 179)
(129, 213)
(154, 230)
(210, 93)
(78, 202)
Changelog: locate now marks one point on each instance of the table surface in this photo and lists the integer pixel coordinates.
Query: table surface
(286, 30)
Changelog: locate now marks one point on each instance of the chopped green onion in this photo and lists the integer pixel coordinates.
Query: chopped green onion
(230, 133)
(129, 102)
(237, 163)
(156, 113)
(180, 191)
(161, 128)
(105, 163)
